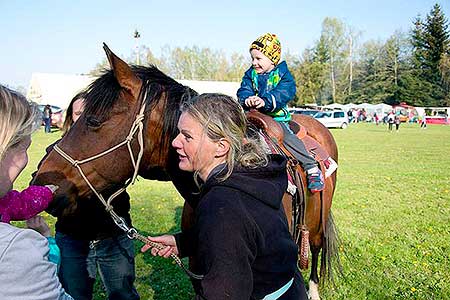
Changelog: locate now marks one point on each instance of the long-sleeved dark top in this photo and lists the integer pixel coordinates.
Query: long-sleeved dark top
(241, 238)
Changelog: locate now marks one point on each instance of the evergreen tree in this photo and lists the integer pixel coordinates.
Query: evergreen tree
(430, 39)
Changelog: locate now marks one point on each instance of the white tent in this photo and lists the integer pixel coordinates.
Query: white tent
(349, 106)
(59, 89)
(56, 89)
(335, 106)
(382, 109)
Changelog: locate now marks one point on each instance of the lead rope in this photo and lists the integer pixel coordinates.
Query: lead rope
(131, 232)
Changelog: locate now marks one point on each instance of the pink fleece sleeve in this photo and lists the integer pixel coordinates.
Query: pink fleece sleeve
(19, 206)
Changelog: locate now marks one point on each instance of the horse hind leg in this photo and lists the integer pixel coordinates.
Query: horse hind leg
(314, 276)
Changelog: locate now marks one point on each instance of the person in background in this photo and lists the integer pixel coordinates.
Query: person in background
(391, 120)
(397, 122)
(375, 118)
(90, 241)
(47, 118)
(74, 111)
(423, 125)
(241, 237)
(268, 86)
(27, 271)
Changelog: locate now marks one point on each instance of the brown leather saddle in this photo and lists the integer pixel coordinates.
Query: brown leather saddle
(275, 132)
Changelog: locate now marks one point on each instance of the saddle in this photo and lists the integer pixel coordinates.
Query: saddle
(275, 132)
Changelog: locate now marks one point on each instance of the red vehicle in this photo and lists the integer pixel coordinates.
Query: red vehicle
(406, 112)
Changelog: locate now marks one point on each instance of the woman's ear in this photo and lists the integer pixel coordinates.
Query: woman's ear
(223, 147)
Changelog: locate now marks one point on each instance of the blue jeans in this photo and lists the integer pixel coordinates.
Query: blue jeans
(47, 124)
(114, 259)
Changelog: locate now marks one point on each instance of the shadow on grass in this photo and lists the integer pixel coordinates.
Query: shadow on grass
(166, 278)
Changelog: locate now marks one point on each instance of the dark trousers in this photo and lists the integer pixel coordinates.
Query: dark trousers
(47, 124)
(297, 148)
(112, 257)
(390, 126)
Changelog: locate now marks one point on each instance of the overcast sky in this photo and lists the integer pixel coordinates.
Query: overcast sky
(67, 36)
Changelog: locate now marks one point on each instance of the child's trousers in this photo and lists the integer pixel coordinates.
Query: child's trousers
(297, 148)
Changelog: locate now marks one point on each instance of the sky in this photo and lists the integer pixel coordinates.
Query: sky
(67, 36)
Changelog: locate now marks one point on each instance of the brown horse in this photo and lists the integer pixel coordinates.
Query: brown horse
(129, 120)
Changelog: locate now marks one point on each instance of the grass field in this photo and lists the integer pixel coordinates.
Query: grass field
(392, 209)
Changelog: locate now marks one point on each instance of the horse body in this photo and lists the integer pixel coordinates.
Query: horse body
(111, 105)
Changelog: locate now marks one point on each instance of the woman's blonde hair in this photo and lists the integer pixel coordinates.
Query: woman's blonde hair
(18, 119)
(223, 117)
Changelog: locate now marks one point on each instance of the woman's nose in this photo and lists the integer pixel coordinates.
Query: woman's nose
(176, 142)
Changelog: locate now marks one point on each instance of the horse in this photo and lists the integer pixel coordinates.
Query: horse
(129, 121)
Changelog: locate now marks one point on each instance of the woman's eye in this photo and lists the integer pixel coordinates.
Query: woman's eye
(93, 122)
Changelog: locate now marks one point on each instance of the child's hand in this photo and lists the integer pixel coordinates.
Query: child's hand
(254, 102)
(52, 187)
(38, 223)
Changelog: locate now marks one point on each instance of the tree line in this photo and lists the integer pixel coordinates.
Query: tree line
(411, 67)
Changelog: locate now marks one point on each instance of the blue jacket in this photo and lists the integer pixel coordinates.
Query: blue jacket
(276, 96)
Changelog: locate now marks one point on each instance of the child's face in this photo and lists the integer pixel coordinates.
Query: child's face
(260, 62)
(14, 161)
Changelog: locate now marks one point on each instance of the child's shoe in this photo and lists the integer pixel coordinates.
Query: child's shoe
(316, 182)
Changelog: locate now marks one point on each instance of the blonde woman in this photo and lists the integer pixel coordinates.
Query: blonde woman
(241, 238)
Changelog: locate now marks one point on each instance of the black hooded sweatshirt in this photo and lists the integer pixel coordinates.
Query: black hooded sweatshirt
(241, 239)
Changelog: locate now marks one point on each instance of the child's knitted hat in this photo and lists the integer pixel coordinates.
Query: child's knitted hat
(269, 45)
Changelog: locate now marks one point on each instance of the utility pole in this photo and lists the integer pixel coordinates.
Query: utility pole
(136, 36)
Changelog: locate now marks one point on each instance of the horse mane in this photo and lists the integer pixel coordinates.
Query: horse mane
(101, 95)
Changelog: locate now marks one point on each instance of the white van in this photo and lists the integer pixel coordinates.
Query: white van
(332, 118)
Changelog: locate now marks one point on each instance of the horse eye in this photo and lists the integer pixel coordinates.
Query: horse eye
(93, 122)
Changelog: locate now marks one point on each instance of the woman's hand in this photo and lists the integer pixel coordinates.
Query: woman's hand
(166, 240)
(38, 223)
(254, 102)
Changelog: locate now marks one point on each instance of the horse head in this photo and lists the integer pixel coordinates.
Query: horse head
(129, 120)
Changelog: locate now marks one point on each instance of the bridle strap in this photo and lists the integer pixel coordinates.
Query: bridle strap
(138, 127)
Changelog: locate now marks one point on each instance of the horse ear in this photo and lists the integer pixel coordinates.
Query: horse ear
(123, 73)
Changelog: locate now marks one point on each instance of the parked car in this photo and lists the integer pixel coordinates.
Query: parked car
(57, 115)
(332, 118)
(303, 111)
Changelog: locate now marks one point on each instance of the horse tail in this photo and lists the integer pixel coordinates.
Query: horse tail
(330, 260)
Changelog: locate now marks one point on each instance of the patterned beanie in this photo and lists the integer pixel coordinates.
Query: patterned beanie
(269, 45)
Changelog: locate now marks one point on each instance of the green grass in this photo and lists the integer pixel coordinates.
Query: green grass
(392, 208)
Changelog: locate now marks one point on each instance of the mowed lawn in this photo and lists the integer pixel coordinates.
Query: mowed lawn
(391, 206)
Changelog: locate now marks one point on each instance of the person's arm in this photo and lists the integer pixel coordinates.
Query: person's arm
(227, 249)
(279, 96)
(20, 206)
(182, 244)
(246, 89)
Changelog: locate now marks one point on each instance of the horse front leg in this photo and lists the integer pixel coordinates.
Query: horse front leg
(314, 277)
